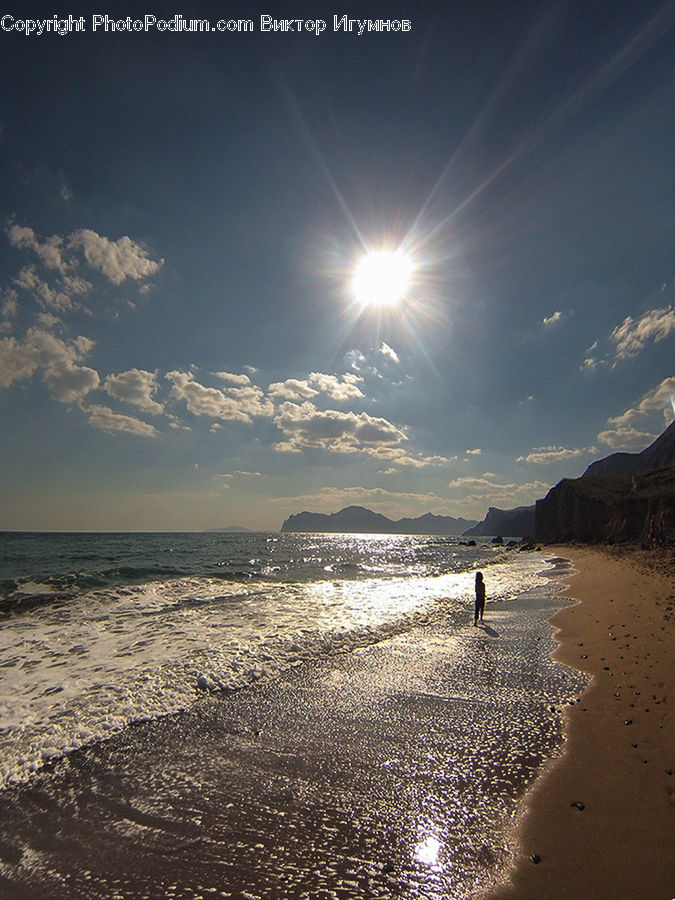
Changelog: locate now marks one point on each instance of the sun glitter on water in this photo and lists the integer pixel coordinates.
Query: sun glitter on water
(382, 277)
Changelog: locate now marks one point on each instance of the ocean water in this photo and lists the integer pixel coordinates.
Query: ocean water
(269, 715)
(98, 631)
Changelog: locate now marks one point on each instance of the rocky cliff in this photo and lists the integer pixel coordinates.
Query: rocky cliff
(659, 454)
(518, 522)
(359, 520)
(609, 508)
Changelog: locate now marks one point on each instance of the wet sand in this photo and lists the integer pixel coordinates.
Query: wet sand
(600, 822)
(394, 770)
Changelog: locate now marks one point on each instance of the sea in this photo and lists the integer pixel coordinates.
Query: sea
(102, 632)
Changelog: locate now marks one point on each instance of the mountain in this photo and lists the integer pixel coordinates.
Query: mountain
(359, 520)
(518, 522)
(608, 508)
(623, 497)
(230, 529)
(659, 454)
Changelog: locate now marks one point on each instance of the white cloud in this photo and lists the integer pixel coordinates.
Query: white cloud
(291, 389)
(104, 418)
(490, 493)
(307, 427)
(340, 389)
(552, 319)
(233, 404)
(659, 400)
(42, 350)
(231, 378)
(118, 260)
(345, 388)
(49, 252)
(46, 295)
(632, 335)
(400, 458)
(10, 304)
(136, 386)
(68, 383)
(475, 452)
(626, 439)
(656, 409)
(386, 350)
(355, 360)
(547, 455)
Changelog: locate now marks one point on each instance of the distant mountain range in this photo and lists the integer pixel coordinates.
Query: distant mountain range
(518, 522)
(229, 529)
(618, 498)
(359, 520)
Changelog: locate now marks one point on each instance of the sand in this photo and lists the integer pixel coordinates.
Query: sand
(344, 777)
(600, 822)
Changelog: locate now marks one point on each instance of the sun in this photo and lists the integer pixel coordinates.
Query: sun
(382, 277)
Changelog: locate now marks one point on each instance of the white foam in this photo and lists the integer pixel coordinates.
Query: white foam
(83, 671)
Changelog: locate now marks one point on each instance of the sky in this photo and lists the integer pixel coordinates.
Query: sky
(187, 337)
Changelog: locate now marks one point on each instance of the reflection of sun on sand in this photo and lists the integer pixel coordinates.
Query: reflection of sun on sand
(600, 823)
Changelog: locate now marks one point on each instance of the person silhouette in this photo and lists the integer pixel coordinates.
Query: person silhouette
(480, 598)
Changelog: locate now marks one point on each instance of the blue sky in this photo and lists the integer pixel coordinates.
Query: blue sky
(182, 214)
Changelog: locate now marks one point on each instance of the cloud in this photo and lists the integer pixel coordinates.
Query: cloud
(10, 305)
(47, 296)
(475, 452)
(632, 335)
(547, 455)
(659, 400)
(117, 260)
(629, 429)
(490, 493)
(49, 252)
(239, 404)
(386, 350)
(340, 389)
(230, 378)
(54, 281)
(68, 383)
(626, 438)
(104, 418)
(291, 389)
(552, 319)
(400, 458)
(137, 387)
(19, 359)
(306, 427)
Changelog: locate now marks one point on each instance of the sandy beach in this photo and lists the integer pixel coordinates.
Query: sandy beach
(396, 769)
(600, 822)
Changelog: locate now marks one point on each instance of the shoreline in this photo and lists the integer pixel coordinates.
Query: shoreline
(598, 822)
(392, 769)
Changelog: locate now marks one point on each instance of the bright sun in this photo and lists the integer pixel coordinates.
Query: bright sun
(382, 277)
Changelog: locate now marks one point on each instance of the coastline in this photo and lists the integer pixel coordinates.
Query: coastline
(393, 769)
(598, 823)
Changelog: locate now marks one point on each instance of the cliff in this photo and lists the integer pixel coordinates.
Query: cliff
(609, 508)
(518, 522)
(359, 520)
(659, 454)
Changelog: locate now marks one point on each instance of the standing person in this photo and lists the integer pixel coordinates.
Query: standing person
(480, 598)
